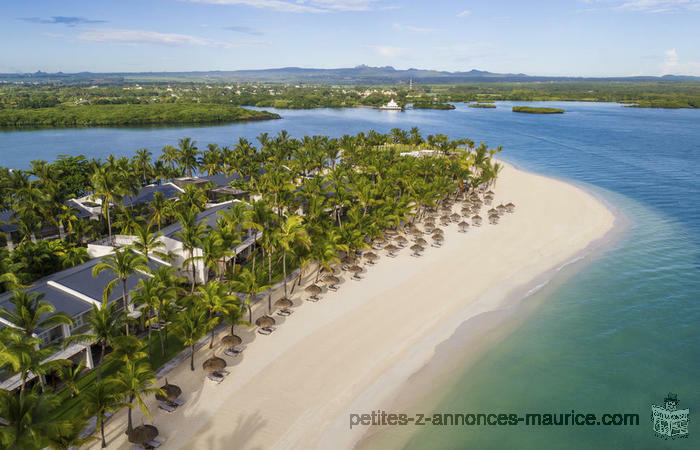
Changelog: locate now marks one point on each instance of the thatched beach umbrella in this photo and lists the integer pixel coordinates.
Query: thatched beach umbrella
(455, 217)
(445, 218)
(438, 237)
(391, 232)
(439, 231)
(401, 240)
(284, 303)
(429, 228)
(313, 290)
(265, 321)
(391, 248)
(463, 226)
(465, 211)
(371, 256)
(476, 220)
(421, 241)
(510, 207)
(142, 434)
(170, 392)
(417, 249)
(355, 268)
(492, 211)
(347, 260)
(331, 280)
(214, 364)
(490, 192)
(231, 340)
(493, 219)
(501, 208)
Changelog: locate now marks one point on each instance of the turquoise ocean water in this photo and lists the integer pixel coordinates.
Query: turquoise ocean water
(616, 336)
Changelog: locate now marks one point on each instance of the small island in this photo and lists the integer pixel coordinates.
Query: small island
(537, 110)
(431, 105)
(119, 115)
(481, 105)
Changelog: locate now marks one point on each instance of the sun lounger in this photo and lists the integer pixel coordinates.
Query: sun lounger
(332, 287)
(435, 244)
(138, 447)
(215, 378)
(284, 312)
(233, 351)
(266, 331)
(177, 402)
(312, 299)
(221, 373)
(166, 407)
(153, 444)
(356, 277)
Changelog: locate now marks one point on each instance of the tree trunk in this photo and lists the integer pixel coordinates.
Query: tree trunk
(102, 431)
(129, 426)
(150, 348)
(284, 270)
(99, 366)
(192, 358)
(269, 282)
(126, 307)
(109, 221)
(211, 341)
(193, 271)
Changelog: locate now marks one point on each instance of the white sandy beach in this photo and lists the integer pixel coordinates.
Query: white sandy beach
(352, 350)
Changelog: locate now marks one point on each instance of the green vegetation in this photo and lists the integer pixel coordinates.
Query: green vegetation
(481, 105)
(537, 110)
(430, 105)
(104, 115)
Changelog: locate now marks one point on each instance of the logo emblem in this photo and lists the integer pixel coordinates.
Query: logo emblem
(668, 420)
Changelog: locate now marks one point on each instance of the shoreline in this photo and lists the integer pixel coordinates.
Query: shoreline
(294, 388)
(436, 377)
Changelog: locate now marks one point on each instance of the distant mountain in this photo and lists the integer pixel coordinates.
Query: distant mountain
(363, 75)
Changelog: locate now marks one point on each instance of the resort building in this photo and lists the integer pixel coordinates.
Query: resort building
(391, 106)
(73, 291)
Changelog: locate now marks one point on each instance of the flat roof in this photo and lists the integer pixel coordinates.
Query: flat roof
(147, 193)
(207, 217)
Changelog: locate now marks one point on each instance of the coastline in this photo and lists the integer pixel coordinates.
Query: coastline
(356, 348)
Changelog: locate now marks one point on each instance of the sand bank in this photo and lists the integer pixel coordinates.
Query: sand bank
(354, 349)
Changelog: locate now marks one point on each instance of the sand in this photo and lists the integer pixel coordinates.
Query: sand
(353, 350)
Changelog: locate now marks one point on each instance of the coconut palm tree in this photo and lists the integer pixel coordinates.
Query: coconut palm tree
(101, 398)
(70, 375)
(191, 325)
(147, 243)
(105, 323)
(291, 233)
(167, 294)
(123, 264)
(215, 299)
(69, 435)
(192, 235)
(187, 154)
(30, 419)
(233, 314)
(134, 380)
(106, 186)
(147, 295)
(247, 283)
(30, 313)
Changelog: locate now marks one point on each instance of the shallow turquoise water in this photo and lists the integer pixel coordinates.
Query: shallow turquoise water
(616, 336)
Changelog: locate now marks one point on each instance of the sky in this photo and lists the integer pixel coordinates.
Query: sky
(536, 37)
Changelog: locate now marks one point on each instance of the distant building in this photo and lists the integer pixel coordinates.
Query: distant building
(391, 106)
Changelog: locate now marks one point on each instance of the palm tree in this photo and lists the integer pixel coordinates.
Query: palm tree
(70, 375)
(105, 185)
(134, 381)
(101, 398)
(105, 323)
(29, 418)
(248, 283)
(213, 253)
(291, 233)
(168, 291)
(233, 314)
(169, 156)
(30, 313)
(148, 243)
(191, 236)
(147, 294)
(142, 164)
(191, 324)
(187, 154)
(325, 250)
(26, 356)
(123, 264)
(214, 297)
(160, 209)
(69, 436)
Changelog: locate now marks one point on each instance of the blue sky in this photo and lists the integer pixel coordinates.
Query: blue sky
(537, 37)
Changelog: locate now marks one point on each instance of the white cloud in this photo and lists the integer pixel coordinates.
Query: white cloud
(673, 65)
(400, 27)
(388, 51)
(299, 6)
(156, 38)
(464, 13)
(648, 6)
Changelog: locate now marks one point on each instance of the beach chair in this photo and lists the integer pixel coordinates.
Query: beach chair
(285, 312)
(166, 407)
(215, 378)
(221, 373)
(233, 351)
(138, 447)
(312, 299)
(153, 444)
(332, 287)
(177, 402)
